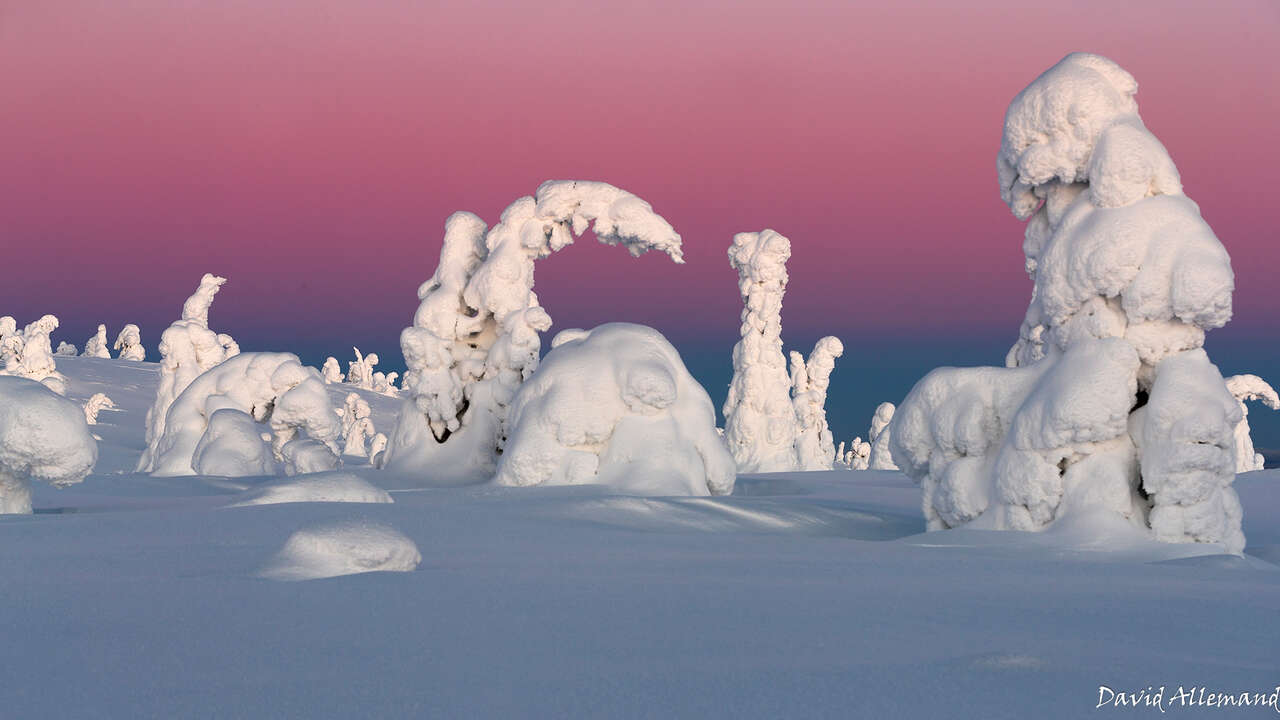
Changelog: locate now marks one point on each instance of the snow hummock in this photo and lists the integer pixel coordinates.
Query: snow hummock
(96, 346)
(340, 548)
(475, 336)
(328, 487)
(615, 406)
(43, 438)
(187, 348)
(274, 391)
(1108, 403)
(1247, 388)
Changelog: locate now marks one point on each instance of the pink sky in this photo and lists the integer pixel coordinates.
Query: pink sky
(310, 150)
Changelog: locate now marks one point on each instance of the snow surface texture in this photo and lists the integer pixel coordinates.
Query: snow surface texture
(1247, 388)
(334, 487)
(213, 427)
(879, 456)
(615, 406)
(128, 344)
(29, 354)
(1108, 403)
(774, 421)
(343, 548)
(43, 438)
(475, 336)
(733, 606)
(96, 346)
(187, 348)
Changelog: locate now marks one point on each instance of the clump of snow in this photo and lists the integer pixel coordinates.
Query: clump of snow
(356, 425)
(475, 335)
(128, 344)
(774, 421)
(96, 346)
(1108, 402)
(96, 404)
(187, 348)
(230, 348)
(615, 406)
(66, 349)
(331, 371)
(815, 447)
(1247, 388)
(343, 548)
(29, 354)
(271, 389)
(880, 457)
(43, 438)
(332, 487)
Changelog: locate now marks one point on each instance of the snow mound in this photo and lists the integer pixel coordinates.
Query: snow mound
(616, 406)
(342, 548)
(334, 487)
(43, 437)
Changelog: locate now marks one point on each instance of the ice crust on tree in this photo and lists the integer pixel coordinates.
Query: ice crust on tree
(275, 393)
(187, 349)
(615, 406)
(43, 438)
(128, 344)
(1247, 388)
(775, 421)
(96, 346)
(475, 336)
(66, 349)
(1108, 403)
(815, 446)
(29, 354)
(880, 457)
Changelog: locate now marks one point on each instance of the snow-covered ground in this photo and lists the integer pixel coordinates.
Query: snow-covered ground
(800, 595)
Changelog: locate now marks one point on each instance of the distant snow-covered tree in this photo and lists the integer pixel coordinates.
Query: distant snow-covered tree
(96, 346)
(128, 344)
(1245, 388)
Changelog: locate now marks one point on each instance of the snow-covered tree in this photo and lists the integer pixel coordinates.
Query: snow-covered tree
(475, 335)
(356, 425)
(29, 355)
(386, 384)
(96, 346)
(858, 455)
(128, 344)
(880, 457)
(272, 389)
(1109, 403)
(43, 438)
(230, 348)
(815, 447)
(360, 371)
(66, 349)
(187, 348)
(616, 406)
(10, 340)
(760, 419)
(1247, 388)
(331, 371)
(774, 421)
(96, 404)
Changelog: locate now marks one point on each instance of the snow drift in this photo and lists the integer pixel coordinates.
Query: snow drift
(1107, 402)
(475, 335)
(342, 548)
(335, 487)
(615, 406)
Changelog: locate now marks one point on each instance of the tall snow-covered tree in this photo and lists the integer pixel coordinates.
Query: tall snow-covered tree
(1246, 388)
(1109, 403)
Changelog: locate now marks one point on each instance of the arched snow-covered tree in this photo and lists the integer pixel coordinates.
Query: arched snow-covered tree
(1246, 388)
(475, 335)
(1109, 403)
